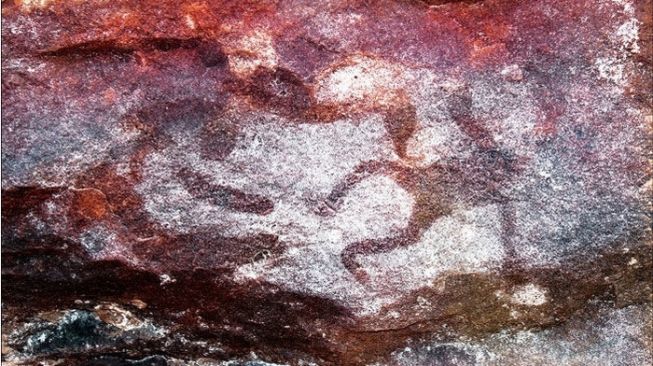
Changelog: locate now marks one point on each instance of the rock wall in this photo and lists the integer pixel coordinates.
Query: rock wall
(327, 183)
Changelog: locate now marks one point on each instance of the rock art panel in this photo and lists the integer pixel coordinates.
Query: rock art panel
(332, 183)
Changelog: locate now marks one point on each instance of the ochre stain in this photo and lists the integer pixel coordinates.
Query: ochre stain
(90, 203)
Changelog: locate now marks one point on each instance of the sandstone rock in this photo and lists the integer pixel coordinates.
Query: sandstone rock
(326, 183)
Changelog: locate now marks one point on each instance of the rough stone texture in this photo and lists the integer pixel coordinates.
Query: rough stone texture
(327, 182)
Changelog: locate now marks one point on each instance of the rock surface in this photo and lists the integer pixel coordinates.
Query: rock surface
(327, 183)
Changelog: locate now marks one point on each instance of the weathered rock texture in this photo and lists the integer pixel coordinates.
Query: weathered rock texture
(326, 182)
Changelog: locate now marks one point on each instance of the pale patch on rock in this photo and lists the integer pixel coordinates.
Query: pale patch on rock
(614, 67)
(250, 52)
(166, 279)
(190, 21)
(123, 169)
(627, 5)
(529, 295)
(362, 80)
(513, 73)
(117, 316)
(374, 208)
(29, 5)
(611, 69)
(629, 34)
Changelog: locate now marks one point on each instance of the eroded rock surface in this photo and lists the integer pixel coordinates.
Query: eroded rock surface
(327, 183)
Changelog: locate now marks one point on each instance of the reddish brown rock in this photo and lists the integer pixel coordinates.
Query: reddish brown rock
(332, 183)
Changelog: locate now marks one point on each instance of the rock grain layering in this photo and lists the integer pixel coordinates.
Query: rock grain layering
(334, 182)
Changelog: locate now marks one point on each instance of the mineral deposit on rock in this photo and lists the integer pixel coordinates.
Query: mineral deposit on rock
(293, 182)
